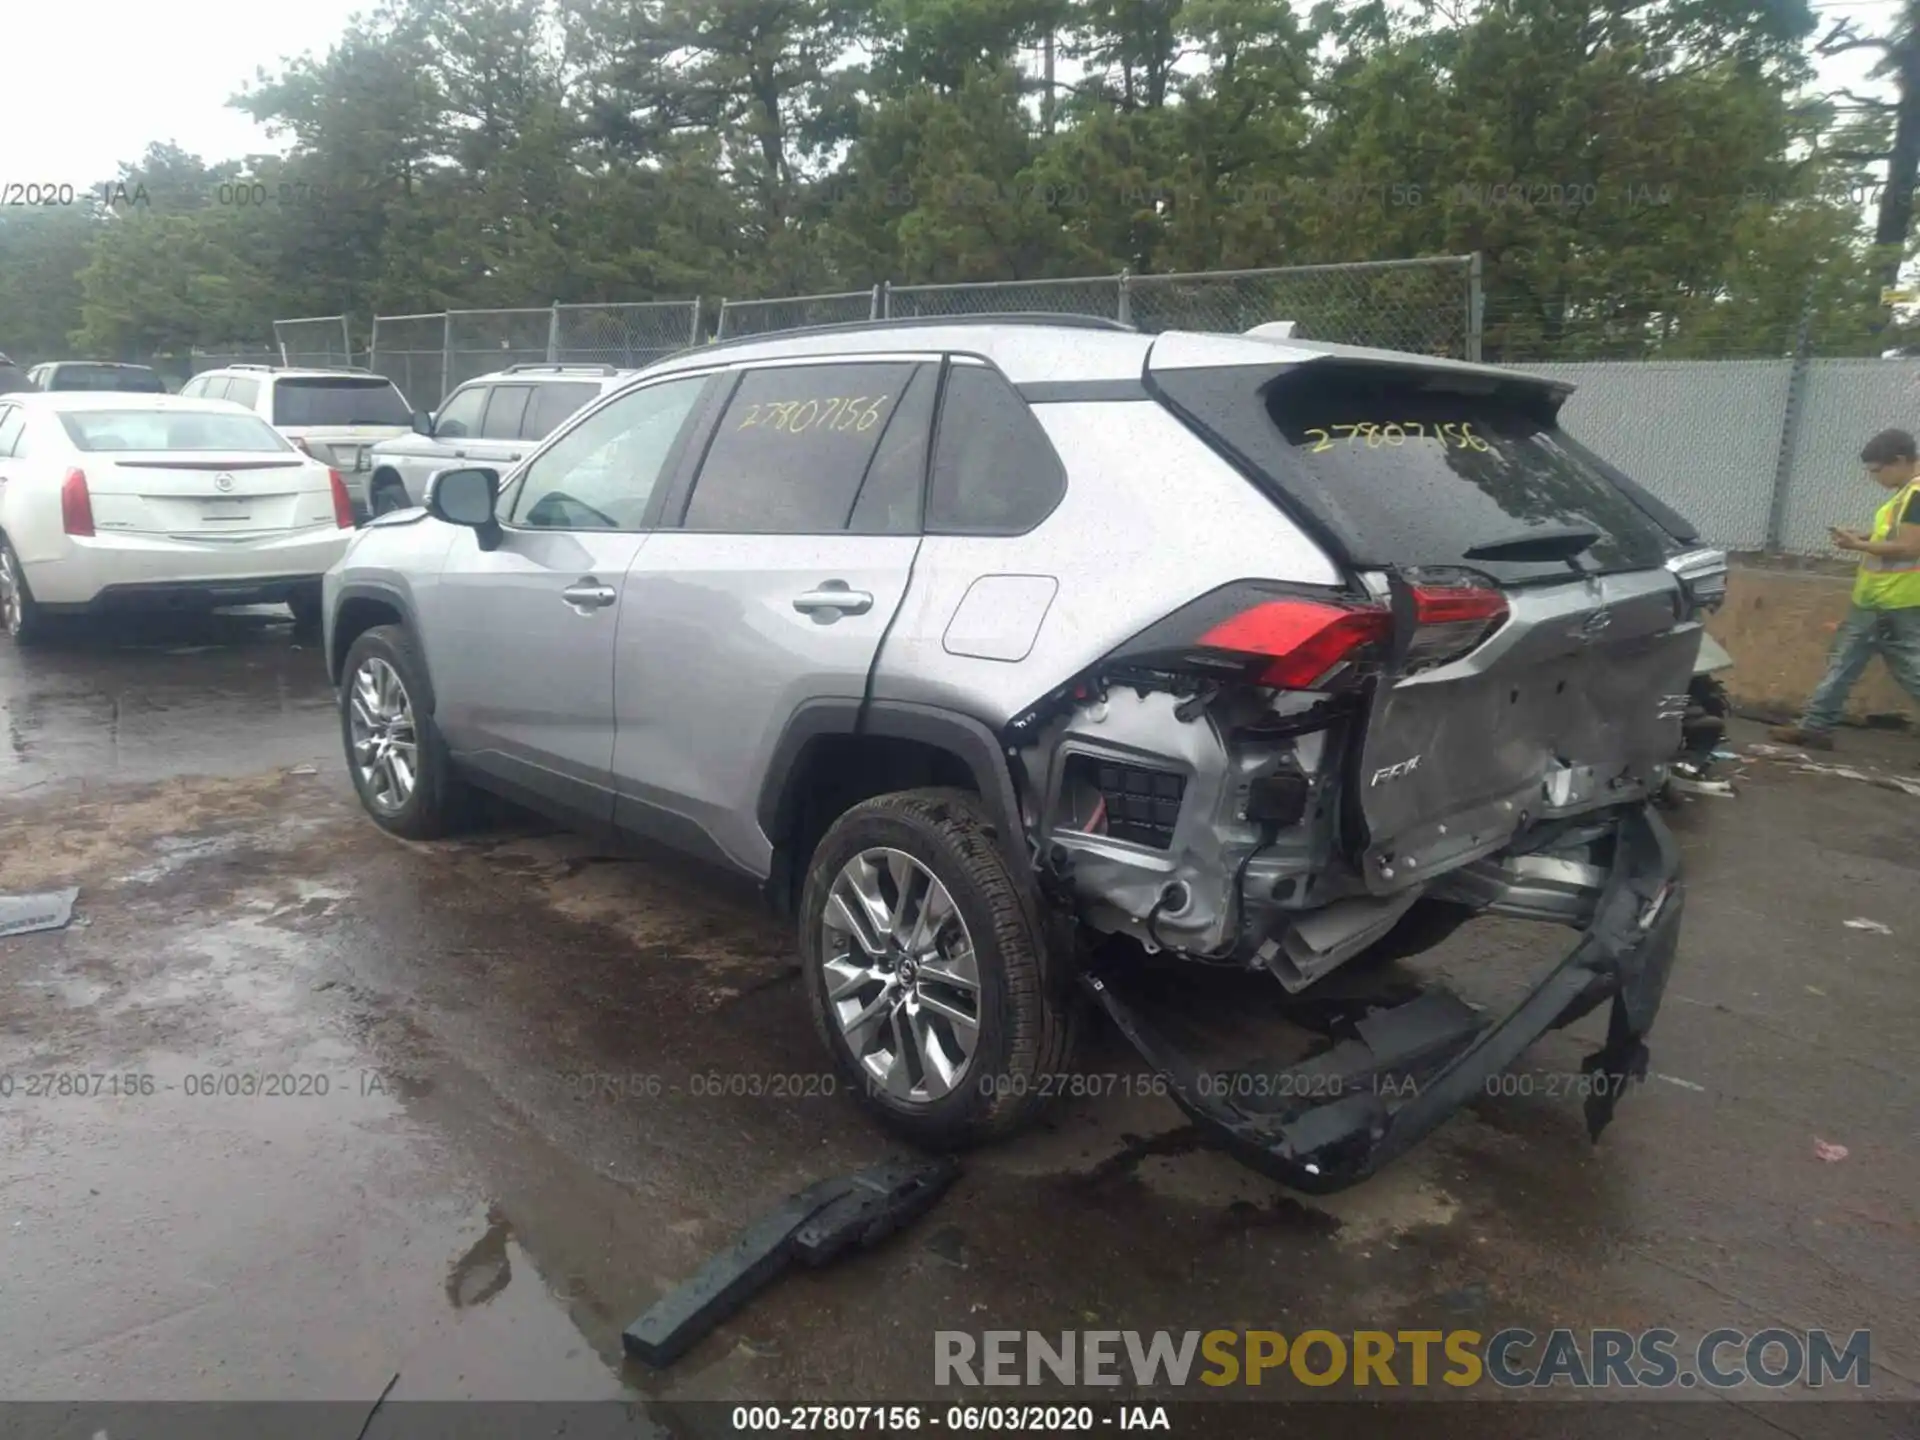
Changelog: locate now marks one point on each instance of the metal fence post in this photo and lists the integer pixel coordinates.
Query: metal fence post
(878, 308)
(553, 332)
(1476, 305)
(446, 354)
(1790, 426)
(1125, 308)
(346, 343)
(693, 326)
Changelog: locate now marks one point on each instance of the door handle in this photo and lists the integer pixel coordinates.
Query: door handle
(459, 454)
(833, 595)
(589, 594)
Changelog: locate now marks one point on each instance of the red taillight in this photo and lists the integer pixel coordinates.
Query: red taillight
(342, 502)
(1302, 639)
(1454, 604)
(76, 505)
(1450, 620)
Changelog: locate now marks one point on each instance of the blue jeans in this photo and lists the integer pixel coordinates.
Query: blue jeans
(1892, 634)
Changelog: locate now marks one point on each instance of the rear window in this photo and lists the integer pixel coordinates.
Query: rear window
(1405, 473)
(169, 430)
(338, 400)
(135, 378)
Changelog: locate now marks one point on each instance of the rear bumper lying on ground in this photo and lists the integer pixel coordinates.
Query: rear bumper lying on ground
(1337, 1118)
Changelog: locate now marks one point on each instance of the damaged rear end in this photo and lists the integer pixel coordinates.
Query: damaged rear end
(1276, 777)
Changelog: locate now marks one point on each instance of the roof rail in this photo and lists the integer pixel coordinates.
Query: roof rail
(905, 322)
(595, 367)
(317, 369)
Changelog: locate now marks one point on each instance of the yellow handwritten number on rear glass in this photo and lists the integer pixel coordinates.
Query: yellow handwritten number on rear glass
(1452, 434)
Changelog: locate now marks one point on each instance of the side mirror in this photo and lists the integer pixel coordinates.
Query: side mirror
(467, 497)
(422, 423)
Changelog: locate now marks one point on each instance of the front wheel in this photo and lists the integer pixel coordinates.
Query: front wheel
(929, 976)
(394, 752)
(20, 614)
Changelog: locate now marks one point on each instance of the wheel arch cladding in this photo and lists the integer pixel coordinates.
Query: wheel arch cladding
(361, 608)
(835, 753)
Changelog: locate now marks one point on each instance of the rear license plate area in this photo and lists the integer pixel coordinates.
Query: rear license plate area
(226, 511)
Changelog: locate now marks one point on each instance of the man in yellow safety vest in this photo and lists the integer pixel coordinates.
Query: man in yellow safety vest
(1885, 616)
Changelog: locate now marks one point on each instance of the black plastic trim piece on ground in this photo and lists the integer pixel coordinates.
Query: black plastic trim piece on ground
(815, 1226)
(1338, 1138)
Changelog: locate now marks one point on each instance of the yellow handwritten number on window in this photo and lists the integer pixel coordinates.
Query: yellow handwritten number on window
(1452, 434)
(794, 417)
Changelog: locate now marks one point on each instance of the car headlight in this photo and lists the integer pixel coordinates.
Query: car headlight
(1703, 574)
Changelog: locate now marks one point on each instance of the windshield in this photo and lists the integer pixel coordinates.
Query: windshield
(339, 400)
(170, 430)
(136, 378)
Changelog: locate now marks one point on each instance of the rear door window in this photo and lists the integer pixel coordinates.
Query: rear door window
(213, 387)
(793, 446)
(343, 400)
(551, 405)
(994, 470)
(243, 392)
(505, 411)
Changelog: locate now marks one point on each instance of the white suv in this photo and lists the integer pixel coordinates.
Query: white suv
(336, 416)
(492, 420)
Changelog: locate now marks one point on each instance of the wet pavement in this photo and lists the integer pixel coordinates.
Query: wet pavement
(443, 1118)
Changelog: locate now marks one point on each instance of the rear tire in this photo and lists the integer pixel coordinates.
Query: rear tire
(884, 1003)
(20, 614)
(386, 706)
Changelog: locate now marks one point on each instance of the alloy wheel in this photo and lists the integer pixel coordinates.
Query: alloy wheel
(12, 605)
(386, 750)
(902, 979)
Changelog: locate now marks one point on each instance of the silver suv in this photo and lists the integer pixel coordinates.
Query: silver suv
(1005, 654)
(335, 416)
(494, 420)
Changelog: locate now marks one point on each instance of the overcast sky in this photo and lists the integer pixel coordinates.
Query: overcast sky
(87, 84)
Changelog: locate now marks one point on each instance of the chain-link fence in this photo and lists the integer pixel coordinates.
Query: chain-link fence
(428, 356)
(411, 351)
(320, 342)
(482, 341)
(198, 360)
(761, 317)
(1091, 295)
(1428, 307)
(624, 336)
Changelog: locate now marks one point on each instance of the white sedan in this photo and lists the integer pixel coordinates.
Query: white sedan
(121, 501)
